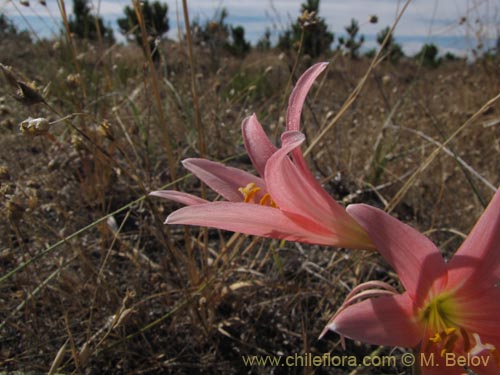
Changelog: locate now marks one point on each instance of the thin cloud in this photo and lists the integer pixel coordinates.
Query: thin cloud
(423, 18)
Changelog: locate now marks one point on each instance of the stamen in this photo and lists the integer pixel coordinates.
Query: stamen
(465, 336)
(249, 192)
(451, 340)
(436, 338)
(447, 338)
(266, 200)
(446, 334)
(480, 347)
(449, 331)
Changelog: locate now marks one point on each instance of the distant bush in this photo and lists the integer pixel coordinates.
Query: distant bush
(213, 33)
(264, 43)
(371, 53)
(392, 49)
(219, 36)
(428, 56)
(448, 56)
(316, 39)
(6, 26)
(238, 46)
(352, 43)
(155, 21)
(85, 25)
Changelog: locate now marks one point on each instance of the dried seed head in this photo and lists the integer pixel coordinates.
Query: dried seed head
(307, 19)
(24, 3)
(105, 130)
(25, 93)
(28, 95)
(9, 75)
(32, 198)
(4, 173)
(43, 2)
(77, 142)
(34, 126)
(373, 18)
(73, 80)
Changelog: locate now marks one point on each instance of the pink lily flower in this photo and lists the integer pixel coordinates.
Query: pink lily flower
(449, 312)
(285, 202)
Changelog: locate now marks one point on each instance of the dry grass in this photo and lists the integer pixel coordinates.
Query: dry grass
(95, 283)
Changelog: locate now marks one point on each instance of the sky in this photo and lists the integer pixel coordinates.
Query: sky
(454, 25)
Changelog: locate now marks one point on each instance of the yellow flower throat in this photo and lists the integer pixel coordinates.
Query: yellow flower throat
(249, 193)
(442, 321)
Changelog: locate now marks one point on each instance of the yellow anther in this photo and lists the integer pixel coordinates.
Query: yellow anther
(447, 339)
(436, 338)
(266, 200)
(449, 331)
(249, 192)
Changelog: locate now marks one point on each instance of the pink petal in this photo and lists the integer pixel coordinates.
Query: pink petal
(286, 186)
(257, 143)
(294, 193)
(251, 219)
(415, 258)
(222, 179)
(477, 262)
(386, 320)
(299, 93)
(178, 196)
(294, 111)
(479, 310)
